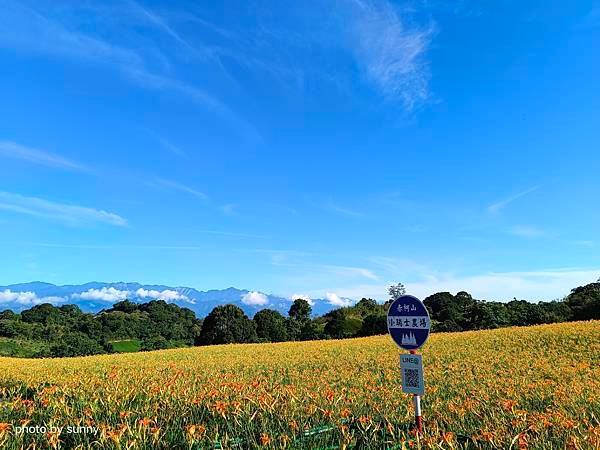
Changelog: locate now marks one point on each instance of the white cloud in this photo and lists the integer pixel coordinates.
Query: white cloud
(530, 285)
(18, 297)
(528, 231)
(332, 206)
(255, 299)
(27, 298)
(229, 208)
(23, 28)
(13, 150)
(170, 147)
(496, 207)
(391, 54)
(537, 285)
(54, 300)
(180, 187)
(69, 214)
(105, 294)
(354, 271)
(303, 297)
(167, 295)
(232, 234)
(161, 23)
(336, 300)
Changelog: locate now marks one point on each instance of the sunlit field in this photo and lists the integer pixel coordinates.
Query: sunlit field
(536, 387)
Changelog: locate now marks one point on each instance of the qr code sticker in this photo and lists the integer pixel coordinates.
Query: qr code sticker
(411, 378)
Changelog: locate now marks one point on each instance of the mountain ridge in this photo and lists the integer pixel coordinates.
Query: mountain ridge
(95, 296)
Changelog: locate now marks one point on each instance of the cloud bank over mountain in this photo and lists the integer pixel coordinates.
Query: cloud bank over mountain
(93, 297)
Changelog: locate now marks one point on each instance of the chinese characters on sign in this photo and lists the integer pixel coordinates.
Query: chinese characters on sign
(408, 322)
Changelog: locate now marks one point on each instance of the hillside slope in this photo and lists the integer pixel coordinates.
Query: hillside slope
(539, 386)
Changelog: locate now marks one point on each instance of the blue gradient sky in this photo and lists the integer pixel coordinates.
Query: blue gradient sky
(294, 147)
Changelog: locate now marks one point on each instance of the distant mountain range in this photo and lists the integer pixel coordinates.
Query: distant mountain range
(95, 296)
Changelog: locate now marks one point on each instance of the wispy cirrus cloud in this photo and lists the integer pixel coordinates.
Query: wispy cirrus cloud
(499, 205)
(26, 29)
(229, 208)
(9, 149)
(159, 22)
(232, 234)
(327, 270)
(171, 147)
(69, 214)
(528, 231)
(344, 271)
(391, 53)
(332, 206)
(177, 186)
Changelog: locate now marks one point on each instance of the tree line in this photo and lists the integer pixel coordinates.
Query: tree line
(67, 331)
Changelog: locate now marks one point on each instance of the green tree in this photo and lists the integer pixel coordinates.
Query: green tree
(374, 324)
(75, 344)
(300, 310)
(270, 326)
(367, 306)
(341, 326)
(155, 343)
(44, 313)
(8, 314)
(396, 290)
(584, 302)
(299, 316)
(452, 312)
(126, 306)
(311, 330)
(486, 315)
(225, 325)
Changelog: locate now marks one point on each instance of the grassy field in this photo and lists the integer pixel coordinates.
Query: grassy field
(536, 387)
(127, 346)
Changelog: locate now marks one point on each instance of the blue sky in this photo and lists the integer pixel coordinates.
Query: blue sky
(302, 147)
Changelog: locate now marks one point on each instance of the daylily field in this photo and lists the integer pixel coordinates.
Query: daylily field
(536, 387)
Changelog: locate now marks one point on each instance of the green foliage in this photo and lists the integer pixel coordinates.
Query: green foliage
(44, 314)
(156, 343)
(270, 326)
(22, 348)
(126, 346)
(367, 306)
(342, 325)
(226, 325)
(75, 344)
(300, 310)
(374, 324)
(396, 291)
(66, 331)
(461, 312)
(584, 302)
(298, 324)
(312, 330)
(46, 330)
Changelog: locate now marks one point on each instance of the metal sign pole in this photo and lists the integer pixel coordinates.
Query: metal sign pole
(417, 403)
(409, 324)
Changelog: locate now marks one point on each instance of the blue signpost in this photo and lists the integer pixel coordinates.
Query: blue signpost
(409, 323)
